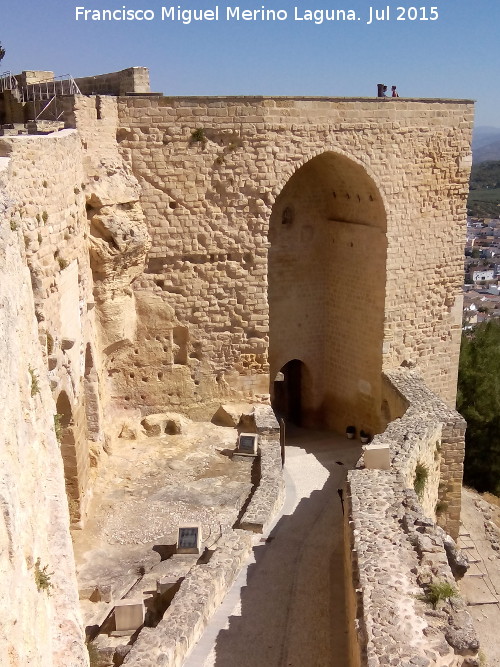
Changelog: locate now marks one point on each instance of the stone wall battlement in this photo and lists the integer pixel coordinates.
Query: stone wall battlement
(429, 434)
(394, 551)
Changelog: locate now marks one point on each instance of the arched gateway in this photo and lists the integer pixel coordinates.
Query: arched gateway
(327, 275)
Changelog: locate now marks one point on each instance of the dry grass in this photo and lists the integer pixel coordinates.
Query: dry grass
(495, 501)
(490, 498)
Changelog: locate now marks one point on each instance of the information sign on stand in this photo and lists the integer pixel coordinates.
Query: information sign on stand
(248, 444)
(189, 540)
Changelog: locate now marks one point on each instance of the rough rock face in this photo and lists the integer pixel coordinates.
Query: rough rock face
(232, 414)
(118, 245)
(119, 242)
(111, 182)
(170, 423)
(41, 622)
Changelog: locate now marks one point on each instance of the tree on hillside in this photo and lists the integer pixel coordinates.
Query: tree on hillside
(2, 52)
(478, 401)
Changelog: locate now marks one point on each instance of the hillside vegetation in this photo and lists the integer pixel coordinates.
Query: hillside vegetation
(478, 401)
(484, 194)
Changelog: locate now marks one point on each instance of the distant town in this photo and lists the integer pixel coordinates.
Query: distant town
(482, 271)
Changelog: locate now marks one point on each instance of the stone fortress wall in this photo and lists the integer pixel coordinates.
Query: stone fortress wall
(184, 251)
(46, 179)
(130, 80)
(364, 264)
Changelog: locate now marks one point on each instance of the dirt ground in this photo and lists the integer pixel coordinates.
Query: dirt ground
(481, 585)
(147, 488)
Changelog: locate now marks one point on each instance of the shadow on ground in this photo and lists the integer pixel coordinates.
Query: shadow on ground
(293, 606)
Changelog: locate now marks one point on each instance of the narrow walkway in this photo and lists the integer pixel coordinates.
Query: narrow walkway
(481, 585)
(286, 609)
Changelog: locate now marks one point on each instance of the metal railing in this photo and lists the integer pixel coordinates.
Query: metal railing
(9, 82)
(43, 95)
(46, 90)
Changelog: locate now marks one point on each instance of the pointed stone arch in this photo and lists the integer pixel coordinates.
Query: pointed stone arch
(327, 275)
(74, 452)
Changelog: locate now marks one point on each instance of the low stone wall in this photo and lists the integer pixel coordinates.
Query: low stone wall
(269, 496)
(394, 553)
(198, 597)
(429, 433)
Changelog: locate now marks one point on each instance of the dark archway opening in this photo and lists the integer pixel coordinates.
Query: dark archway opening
(68, 453)
(63, 407)
(287, 401)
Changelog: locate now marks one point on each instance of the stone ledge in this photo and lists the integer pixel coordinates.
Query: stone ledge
(396, 553)
(269, 496)
(279, 98)
(428, 428)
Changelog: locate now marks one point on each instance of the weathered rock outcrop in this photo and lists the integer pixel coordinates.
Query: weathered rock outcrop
(41, 623)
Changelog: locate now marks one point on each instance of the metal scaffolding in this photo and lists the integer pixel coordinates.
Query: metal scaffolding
(44, 95)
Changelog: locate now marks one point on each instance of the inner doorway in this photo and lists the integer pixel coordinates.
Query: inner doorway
(287, 401)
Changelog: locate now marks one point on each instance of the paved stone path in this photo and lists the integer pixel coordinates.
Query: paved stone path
(286, 609)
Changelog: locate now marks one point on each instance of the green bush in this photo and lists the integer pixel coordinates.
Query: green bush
(50, 343)
(441, 507)
(42, 577)
(198, 136)
(58, 427)
(35, 386)
(438, 592)
(478, 401)
(94, 658)
(421, 475)
(73, 507)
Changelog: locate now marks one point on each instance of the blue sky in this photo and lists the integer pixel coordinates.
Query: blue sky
(455, 56)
